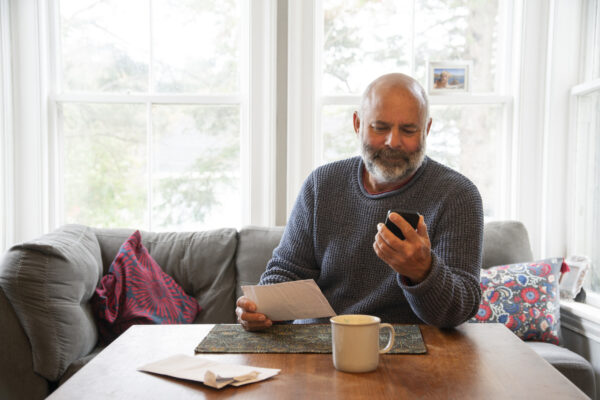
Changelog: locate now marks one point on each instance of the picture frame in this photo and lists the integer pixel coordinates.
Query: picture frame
(570, 283)
(449, 77)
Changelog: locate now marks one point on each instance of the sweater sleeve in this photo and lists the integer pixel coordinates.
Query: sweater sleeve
(294, 258)
(451, 294)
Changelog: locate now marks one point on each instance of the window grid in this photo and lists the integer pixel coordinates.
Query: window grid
(60, 96)
(497, 98)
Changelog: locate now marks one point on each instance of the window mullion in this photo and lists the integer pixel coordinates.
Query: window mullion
(301, 95)
(261, 108)
(149, 130)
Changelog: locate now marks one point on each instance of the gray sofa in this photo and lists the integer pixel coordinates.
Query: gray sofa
(48, 331)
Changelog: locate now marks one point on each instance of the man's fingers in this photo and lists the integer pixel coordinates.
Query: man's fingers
(422, 228)
(246, 304)
(252, 321)
(406, 228)
(250, 316)
(386, 239)
(256, 326)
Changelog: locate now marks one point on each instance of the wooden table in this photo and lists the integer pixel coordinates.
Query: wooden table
(473, 361)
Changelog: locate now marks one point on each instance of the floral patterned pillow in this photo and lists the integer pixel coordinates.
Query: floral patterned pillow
(524, 297)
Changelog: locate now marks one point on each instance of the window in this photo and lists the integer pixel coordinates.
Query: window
(150, 104)
(585, 224)
(359, 45)
(584, 159)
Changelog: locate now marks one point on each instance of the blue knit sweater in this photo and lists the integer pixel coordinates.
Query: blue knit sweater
(330, 234)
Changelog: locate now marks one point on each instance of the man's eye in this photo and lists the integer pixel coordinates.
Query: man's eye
(380, 128)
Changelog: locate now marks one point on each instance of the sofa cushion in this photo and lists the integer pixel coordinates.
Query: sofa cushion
(505, 242)
(202, 263)
(255, 248)
(576, 368)
(79, 363)
(524, 297)
(137, 291)
(49, 281)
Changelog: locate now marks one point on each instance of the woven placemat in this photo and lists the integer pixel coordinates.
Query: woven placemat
(232, 338)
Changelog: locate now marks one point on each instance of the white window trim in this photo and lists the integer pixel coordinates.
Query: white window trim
(7, 222)
(30, 185)
(562, 72)
(580, 318)
(302, 76)
(261, 115)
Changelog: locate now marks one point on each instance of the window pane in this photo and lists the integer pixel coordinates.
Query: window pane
(468, 139)
(104, 45)
(459, 30)
(197, 46)
(586, 228)
(362, 40)
(339, 138)
(105, 164)
(196, 167)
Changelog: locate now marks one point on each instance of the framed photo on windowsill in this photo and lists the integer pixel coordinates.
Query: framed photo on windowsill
(449, 77)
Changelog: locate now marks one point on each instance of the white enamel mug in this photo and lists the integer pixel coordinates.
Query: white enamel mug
(355, 342)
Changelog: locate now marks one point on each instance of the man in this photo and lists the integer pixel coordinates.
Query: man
(430, 277)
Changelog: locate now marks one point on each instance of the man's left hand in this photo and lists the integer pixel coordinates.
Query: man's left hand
(411, 257)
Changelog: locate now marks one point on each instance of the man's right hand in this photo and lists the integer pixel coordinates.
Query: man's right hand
(248, 317)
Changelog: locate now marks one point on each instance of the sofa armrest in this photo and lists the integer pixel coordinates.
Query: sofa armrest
(17, 379)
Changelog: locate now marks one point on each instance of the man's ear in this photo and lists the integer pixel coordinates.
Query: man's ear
(428, 126)
(356, 121)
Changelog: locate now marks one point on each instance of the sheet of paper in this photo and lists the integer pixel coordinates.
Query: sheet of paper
(209, 372)
(290, 300)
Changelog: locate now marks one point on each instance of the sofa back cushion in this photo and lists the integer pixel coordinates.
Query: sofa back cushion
(505, 242)
(200, 262)
(49, 282)
(255, 248)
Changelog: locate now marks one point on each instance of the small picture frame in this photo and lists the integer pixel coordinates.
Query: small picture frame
(572, 281)
(449, 77)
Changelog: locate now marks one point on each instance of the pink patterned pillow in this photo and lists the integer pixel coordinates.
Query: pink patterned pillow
(137, 291)
(524, 297)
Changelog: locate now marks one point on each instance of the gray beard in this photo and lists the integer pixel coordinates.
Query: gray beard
(388, 166)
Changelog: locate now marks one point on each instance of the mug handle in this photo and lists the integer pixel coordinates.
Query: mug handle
(390, 342)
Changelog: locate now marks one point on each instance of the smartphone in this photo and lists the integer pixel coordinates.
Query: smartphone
(411, 217)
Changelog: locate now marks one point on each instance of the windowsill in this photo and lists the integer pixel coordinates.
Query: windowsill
(581, 318)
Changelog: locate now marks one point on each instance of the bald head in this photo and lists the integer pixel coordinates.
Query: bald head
(395, 82)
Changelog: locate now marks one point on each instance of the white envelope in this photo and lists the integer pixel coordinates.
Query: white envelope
(290, 300)
(211, 373)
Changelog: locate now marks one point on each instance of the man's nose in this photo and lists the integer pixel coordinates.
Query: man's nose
(393, 139)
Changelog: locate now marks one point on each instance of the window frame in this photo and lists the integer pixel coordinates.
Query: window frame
(579, 228)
